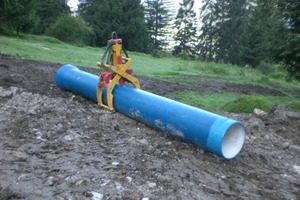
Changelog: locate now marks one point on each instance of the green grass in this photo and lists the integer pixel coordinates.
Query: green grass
(206, 101)
(49, 49)
(232, 102)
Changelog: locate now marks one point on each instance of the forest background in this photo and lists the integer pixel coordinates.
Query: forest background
(260, 34)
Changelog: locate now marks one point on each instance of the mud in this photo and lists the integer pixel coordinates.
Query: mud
(56, 145)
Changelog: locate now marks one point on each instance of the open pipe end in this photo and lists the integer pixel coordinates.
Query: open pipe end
(226, 138)
(233, 141)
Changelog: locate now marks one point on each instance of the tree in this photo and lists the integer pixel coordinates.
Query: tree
(157, 17)
(17, 15)
(185, 23)
(291, 54)
(231, 25)
(208, 36)
(125, 17)
(48, 12)
(264, 35)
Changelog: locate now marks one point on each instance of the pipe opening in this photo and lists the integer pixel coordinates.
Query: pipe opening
(233, 141)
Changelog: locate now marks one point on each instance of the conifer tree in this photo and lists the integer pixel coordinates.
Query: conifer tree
(157, 16)
(126, 17)
(231, 25)
(185, 23)
(208, 36)
(264, 36)
(291, 53)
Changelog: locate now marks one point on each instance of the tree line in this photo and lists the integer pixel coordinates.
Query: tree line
(245, 33)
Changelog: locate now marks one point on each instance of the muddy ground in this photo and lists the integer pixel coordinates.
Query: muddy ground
(56, 145)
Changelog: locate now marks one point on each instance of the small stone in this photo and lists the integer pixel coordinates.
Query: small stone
(96, 196)
(118, 186)
(295, 148)
(14, 90)
(129, 179)
(115, 163)
(144, 141)
(285, 145)
(21, 155)
(50, 181)
(80, 182)
(267, 137)
(296, 168)
(259, 112)
(201, 151)
(72, 97)
(4, 93)
(223, 177)
(32, 111)
(151, 184)
(69, 138)
(117, 128)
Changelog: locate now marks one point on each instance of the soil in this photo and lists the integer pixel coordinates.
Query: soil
(57, 145)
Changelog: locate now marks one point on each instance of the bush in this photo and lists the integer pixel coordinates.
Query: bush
(246, 104)
(72, 30)
(265, 68)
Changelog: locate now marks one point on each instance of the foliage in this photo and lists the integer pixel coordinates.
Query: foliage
(72, 30)
(157, 17)
(125, 17)
(48, 12)
(185, 23)
(17, 15)
(291, 53)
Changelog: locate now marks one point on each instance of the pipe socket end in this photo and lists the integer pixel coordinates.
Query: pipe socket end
(233, 141)
(226, 138)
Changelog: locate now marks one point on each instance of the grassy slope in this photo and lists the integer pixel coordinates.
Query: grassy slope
(49, 49)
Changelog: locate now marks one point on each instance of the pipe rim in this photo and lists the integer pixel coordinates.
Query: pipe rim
(233, 141)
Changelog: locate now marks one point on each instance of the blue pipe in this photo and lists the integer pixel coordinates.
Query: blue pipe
(217, 134)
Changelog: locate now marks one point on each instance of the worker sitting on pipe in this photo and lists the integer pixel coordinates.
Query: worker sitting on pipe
(116, 70)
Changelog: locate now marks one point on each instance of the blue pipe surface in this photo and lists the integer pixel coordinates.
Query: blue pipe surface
(217, 134)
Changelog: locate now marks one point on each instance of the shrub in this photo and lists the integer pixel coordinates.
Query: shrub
(246, 104)
(265, 68)
(72, 30)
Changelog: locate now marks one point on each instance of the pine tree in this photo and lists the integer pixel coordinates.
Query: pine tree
(157, 16)
(264, 35)
(185, 23)
(231, 25)
(125, 17)
(291, 54)
(208, 36)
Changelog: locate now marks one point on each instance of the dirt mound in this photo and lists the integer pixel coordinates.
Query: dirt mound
(56, 145)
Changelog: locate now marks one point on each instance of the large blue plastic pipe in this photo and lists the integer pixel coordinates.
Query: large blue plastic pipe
(217, 134)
